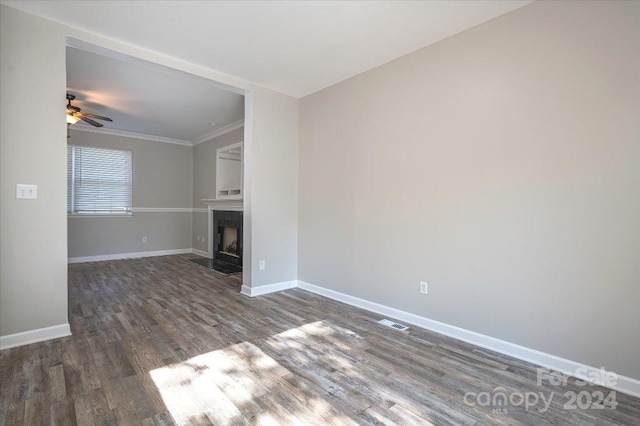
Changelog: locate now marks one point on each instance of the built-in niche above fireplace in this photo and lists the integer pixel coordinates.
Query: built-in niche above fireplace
(229, 180)
(226, 228)
(229, 171)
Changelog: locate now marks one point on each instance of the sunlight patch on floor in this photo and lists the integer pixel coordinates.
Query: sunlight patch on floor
(243, 383)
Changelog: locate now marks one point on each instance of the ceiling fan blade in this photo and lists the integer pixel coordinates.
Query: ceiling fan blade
(90, 121)
(99, 117)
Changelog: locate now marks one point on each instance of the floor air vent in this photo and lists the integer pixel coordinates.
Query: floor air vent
(393, 324)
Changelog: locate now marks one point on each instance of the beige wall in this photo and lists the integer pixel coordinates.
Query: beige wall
(271, 189)
(32, 74)
(500, 165)
(33, 233)
(162, 178)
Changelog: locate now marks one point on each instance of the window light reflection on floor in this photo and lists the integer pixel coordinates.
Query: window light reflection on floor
(242, 382)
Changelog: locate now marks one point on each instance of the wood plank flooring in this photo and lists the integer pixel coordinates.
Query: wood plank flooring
(162, 341)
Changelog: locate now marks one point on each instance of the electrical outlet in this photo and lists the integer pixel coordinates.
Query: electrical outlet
(262, 264)
(423, 287)
(26, 192)
(144, 240)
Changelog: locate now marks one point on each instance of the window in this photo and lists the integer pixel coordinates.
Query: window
(98, 181)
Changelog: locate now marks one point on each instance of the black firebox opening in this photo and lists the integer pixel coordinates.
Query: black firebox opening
(227, 243)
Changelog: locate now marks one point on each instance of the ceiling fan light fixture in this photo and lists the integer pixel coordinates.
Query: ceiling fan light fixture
(74, 114)
(71, 119)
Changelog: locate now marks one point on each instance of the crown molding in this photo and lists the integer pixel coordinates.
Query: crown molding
(126, 134)
(114, 132)
(219, 132)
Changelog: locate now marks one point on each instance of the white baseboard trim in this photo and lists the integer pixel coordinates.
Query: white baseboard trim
(200, 252)
(118, 256)
(269, 288)
(623, 384)
(34, 336)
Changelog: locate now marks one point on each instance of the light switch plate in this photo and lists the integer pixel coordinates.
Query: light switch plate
(26, 192)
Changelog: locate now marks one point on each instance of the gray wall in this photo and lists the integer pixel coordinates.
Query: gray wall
(33, 151)
(200, 221)
(104, 235)
(500, 165)
(162, 178)
(204, 181)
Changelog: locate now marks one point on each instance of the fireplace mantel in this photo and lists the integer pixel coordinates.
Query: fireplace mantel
(228, 204)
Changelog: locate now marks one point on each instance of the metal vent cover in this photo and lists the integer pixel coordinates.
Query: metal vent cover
(393, 325)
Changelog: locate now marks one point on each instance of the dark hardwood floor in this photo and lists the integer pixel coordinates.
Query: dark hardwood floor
(160, 341)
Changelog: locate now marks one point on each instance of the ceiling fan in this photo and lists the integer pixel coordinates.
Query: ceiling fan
(74, 114)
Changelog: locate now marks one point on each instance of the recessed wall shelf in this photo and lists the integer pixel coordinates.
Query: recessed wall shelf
(229, 169)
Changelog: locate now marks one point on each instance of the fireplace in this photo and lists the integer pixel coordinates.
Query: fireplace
(227, 236)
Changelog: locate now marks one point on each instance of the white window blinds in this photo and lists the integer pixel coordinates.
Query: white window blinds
(98, 180)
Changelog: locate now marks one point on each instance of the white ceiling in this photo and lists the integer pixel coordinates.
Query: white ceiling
(294, 47)
(149, 99)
